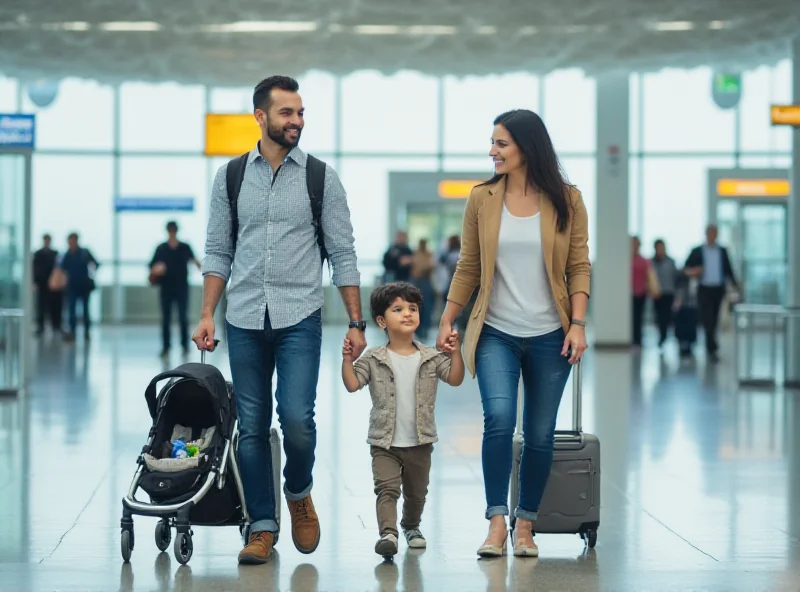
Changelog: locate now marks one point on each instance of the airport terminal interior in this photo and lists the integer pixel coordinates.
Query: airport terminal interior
(678, 123)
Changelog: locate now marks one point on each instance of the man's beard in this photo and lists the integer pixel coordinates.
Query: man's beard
(276, 134)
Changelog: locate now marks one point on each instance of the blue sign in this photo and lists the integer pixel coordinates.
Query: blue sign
(154, 204)
(17, 131)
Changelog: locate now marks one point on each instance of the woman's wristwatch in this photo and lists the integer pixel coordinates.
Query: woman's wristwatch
(578, 322)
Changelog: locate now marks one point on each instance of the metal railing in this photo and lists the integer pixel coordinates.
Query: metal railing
(749, 320)
(11, 327)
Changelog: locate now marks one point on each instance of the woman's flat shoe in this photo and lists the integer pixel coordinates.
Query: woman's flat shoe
(494, 550)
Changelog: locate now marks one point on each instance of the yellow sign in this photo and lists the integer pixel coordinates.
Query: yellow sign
(230, 134)
(753, 187)
(456, 189)
(785, 115)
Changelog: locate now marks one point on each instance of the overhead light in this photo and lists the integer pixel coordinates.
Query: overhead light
(528, 31)
(671, 26)
(133, 26)
(262, 27)
(431, 30)
(486, 30)
(377, 29)
(70, 26)
(717, 25)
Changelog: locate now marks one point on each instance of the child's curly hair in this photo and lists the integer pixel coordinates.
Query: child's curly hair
(382, 297)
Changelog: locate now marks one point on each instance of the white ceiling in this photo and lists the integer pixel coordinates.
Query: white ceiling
(240, 41)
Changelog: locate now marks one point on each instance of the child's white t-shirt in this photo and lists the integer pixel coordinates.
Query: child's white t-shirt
(405, 369)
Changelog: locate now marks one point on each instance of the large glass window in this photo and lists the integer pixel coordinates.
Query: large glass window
(472, 103)
(569, 110)
(162, 117)
(395, 114)
(142, 232)
(80, 117)
(675, 202)
(8, 95)
(679, 114)
(74, 194)
(761, 88)
(366, 181)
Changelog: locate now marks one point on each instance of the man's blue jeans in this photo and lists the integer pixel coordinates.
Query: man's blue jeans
(254, 355)
(499, 358)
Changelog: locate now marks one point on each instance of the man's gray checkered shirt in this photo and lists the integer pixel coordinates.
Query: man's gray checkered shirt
(277, 265)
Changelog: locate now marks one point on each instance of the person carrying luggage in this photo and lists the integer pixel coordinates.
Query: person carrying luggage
(402, 377)
(277, 214)
(525, 243)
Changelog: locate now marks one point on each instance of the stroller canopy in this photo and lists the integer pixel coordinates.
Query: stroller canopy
(209, 382)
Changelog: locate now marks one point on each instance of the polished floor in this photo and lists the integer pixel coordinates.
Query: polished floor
(700, 485)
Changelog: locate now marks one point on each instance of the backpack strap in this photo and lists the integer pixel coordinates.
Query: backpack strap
(234, 176)
(315, 182)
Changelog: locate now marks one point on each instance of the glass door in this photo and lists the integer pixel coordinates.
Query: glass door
(14, 291)
(764, 253)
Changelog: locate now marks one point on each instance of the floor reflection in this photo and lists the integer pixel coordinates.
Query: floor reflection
(700, 485)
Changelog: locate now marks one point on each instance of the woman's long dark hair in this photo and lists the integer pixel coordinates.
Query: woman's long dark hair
(544, 169)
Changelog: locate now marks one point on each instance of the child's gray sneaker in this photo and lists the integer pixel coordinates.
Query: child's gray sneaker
(415, 539)
(386, 545)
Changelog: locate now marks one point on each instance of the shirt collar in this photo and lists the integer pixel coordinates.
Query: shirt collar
(295, 154)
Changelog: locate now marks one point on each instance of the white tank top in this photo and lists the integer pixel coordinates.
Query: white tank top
(521, 303)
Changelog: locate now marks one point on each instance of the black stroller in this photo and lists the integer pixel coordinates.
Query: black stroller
(197, 405)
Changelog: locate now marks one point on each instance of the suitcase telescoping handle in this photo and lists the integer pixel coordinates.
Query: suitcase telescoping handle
(203, 352)
(577, 401)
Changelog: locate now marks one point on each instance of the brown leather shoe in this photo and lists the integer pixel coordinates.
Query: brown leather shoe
(305, 525)
(259, 549)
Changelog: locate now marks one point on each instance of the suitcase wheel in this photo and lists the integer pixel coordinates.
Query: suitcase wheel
(590, 536)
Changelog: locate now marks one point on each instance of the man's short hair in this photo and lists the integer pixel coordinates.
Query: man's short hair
(47, 236)
(262, 95)
(382, 297)
(172, 226)
(72, 235)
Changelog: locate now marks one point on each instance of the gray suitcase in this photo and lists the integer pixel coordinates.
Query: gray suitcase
(275, 450)
(571, 500)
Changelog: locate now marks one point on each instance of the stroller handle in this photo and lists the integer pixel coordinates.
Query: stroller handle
(203, 352)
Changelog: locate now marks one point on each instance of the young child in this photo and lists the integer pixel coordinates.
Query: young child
(402, 376)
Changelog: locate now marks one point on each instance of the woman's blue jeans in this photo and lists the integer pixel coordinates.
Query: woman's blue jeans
(499, 359)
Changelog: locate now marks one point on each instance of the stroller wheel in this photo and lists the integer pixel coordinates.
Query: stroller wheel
(163, 535)
(183, 547)
(126, 545)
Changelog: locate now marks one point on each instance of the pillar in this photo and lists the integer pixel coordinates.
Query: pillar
(793, 297)
(611, 291)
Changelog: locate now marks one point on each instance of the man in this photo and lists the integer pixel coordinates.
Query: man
(274, 311)
(48, 302)
(168, 269)
(397, 259)
(711, 265)
(78, 264)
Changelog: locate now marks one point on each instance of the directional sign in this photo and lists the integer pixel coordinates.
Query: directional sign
(17, 130)
(154, 204)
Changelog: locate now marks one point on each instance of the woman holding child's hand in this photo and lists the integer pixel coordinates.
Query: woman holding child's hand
(525, 244)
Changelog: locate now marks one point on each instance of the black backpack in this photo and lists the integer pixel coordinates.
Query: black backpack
(315, 182)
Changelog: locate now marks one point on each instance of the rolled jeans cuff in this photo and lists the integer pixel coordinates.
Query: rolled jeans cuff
(525, 515)
(263, 526)
(296, 497)
(496, 511)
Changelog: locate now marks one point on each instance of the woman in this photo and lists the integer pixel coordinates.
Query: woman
(668, 276)
(525, 244)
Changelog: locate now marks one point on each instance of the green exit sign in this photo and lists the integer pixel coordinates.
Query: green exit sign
(726, 89)
(728, 83)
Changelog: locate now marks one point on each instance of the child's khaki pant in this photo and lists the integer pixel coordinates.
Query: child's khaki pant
(407, 467)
